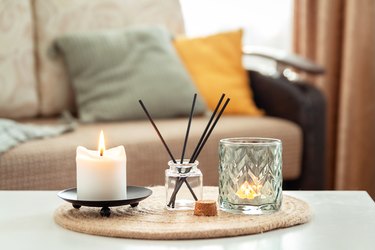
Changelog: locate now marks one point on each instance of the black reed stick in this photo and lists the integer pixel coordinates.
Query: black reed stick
(177, 186)
(157, 131)
(165, 144)
(173, 197)
(185, 143)
(188, 129)
(211, 129)
(206, 129)
(171, 202)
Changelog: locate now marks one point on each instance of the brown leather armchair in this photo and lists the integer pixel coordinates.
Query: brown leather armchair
(284, 95)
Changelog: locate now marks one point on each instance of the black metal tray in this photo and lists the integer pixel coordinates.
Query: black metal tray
(134, 196)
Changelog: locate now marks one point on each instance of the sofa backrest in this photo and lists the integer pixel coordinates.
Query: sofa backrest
(18, 85)
(56, 17)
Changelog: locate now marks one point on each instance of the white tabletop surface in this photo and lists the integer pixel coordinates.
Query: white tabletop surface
(342, 220)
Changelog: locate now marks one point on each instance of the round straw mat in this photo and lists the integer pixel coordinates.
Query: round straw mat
(150, 220)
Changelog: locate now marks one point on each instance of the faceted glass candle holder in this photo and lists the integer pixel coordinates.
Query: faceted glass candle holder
(250, 175)
(188, 180)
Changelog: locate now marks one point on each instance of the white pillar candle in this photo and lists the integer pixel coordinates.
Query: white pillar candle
(101, 174)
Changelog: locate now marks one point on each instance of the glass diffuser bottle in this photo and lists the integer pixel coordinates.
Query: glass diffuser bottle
(183, 184)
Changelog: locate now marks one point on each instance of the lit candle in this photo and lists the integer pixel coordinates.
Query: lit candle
(249, 191)
(101, 174)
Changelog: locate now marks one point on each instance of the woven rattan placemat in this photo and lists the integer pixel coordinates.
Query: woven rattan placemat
(150, 220)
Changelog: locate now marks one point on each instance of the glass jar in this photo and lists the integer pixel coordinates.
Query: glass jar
(183, 184)
(250, 175)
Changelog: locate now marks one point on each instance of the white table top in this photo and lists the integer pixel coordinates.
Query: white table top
(342, 220)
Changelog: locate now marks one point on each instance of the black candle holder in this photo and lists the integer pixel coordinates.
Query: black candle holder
(134, 196)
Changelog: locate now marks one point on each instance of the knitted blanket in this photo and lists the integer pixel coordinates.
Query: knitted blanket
(13, 133)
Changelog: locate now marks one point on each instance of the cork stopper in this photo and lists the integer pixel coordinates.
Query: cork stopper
(205, 208)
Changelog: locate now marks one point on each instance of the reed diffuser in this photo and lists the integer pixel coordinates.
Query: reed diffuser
(186, 171)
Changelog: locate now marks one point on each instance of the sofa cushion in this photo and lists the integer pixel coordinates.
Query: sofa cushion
(111, 70)
(50, 163)
(215, 64)
(18, 95)
(55, 18)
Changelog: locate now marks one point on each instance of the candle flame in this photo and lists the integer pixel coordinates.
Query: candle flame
(248, 191)
(101, 147)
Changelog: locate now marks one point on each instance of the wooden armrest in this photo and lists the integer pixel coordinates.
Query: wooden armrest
(283, 59)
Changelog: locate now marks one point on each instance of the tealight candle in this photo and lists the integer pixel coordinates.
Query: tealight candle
(250, 175)
(101, 174)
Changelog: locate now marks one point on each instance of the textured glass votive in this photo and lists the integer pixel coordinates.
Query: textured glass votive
(250, 175)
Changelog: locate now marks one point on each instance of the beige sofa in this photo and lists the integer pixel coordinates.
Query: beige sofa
(36, 89)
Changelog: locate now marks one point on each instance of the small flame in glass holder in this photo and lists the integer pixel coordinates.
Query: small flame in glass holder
(249, 191)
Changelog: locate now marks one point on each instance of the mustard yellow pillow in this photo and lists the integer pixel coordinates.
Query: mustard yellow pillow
(215, 65)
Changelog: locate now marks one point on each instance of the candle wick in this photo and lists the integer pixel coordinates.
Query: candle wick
(101, 152)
